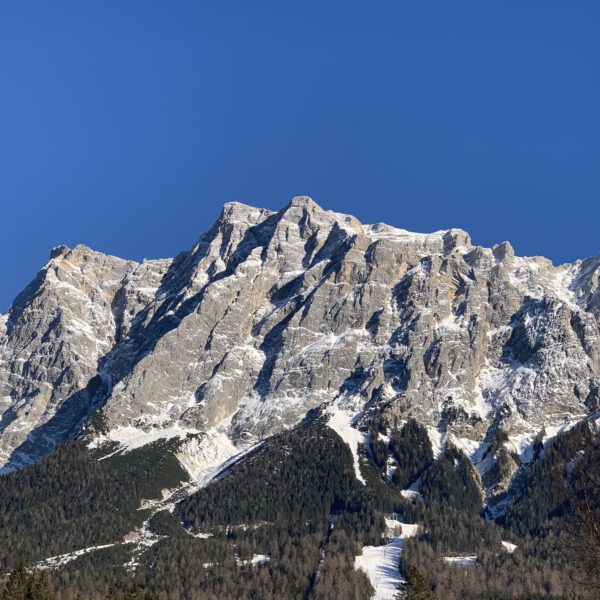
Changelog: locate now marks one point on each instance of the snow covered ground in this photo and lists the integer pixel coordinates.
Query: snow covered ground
(143, 539)
(207, 456)
(256, 561)
(55, 562)
(463, 561)
(437, 439)
(341, 421)
(510, 548)
(380, 563)
(130, 438)
(412, 493)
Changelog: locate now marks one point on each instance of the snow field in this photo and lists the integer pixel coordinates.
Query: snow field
(380, 563)
(341, 421)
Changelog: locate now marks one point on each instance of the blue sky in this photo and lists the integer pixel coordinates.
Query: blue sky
(126, 125)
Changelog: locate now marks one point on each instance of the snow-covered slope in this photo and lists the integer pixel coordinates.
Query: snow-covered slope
(272, 314)
(381, 563)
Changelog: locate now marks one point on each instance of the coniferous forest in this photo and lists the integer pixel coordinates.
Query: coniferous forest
(300, 300)
(288, 520)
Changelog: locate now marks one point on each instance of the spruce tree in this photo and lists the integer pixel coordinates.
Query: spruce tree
(41, 588)
(417, 587)
(17, 585)
(112, 594)
(135, 593)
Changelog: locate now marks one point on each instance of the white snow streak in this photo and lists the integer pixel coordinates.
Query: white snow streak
(54, 562)
(341, 421)
(462, 561)
(380, 563)
(510, 548)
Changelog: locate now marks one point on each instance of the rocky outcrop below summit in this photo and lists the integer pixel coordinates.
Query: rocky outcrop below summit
(272, 314)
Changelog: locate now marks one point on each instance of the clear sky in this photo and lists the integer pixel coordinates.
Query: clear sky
(125, 125)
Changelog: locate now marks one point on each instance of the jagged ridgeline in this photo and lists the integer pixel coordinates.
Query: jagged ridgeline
(417, 378)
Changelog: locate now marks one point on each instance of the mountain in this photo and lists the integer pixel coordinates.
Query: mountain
(272, 317)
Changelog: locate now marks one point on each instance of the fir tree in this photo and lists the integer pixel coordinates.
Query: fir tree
(134, 593)
(18, 584)
(112, 594)
(412, 450)
(417, 587)
(41, 588)
(137, 593)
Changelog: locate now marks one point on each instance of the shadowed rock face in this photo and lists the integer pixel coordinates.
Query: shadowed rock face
(272, 314)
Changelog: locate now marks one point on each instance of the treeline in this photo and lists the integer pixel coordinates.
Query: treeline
(409, 446)
(299, 476)
(23, 585)
(70, 501)
(288, 520)
(295, 500)
(546, 494)
(542, 522)
(285, 522)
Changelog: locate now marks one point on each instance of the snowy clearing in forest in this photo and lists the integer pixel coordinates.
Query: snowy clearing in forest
(380, 563)
(256, 561)
(509, 547)
(341, 421)
(54, 562)
(462, 561)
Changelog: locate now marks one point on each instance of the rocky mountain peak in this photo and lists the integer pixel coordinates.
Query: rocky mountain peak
(272, 314)
(304, 202)
(503, 252)
(57, 251)
(236, 212)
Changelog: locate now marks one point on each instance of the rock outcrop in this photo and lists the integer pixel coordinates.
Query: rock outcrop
(272, 314)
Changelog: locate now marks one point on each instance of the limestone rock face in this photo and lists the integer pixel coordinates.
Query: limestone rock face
(270, 315)
(53, 342)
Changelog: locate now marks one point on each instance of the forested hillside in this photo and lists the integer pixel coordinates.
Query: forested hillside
(288, 520)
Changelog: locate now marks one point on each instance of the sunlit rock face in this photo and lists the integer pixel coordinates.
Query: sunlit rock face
(272, 314)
